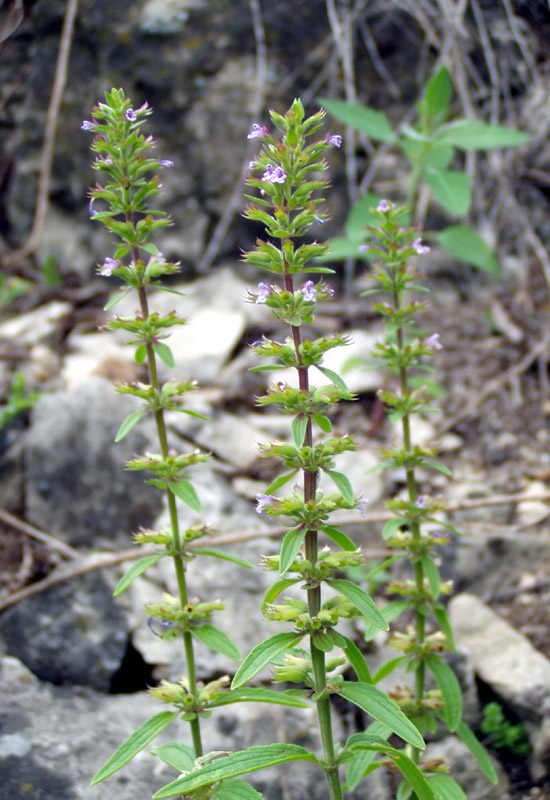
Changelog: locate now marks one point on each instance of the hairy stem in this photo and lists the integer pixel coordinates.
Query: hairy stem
(314, 593)
(178, 561)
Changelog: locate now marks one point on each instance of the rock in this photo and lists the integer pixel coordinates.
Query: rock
(71, 633)
(97, 354)
(53, 740)
(36, 325)
(502, 657)
(465, 770)
(232, 439)
(76, 486)
(530, 512)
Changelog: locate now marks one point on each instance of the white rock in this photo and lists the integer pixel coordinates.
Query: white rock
(40, 323)
(501, 656)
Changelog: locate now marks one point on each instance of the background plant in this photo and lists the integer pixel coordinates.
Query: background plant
(430, 146)
(125, 160)
(501, 732)
(413, 531)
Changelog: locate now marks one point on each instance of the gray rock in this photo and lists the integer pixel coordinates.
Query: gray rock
(464, 768)
(76, 485)
(53, 740)
(72, 633)
(502, 657)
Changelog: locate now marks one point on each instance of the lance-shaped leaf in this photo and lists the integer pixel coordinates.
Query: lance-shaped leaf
(444, 624)
(375, 124)
(179, 756)
(135, 571)
(165, 354)
(236, 764)
(445, 788)
(465, 244)
(299, 427)
(135, 744)
(389, 612)
(451, 187)
(208, 551)
(450, 690)
(186, 492)
(281, 480)
(116, 299)
(131, 420)
(333, 377)
(249, 694)
(338, 537)
(361, 600)
(276, 588)
(432, 573)
(263, 654)
(342, 484)
(217, 640)
(290, 547)
(382, 708)
(363, 759)
(412, 774)
(478, 135)
(477, 750)
(356, 659)
(237, 790)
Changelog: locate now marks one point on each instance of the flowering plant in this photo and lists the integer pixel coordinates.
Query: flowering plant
(125, 159)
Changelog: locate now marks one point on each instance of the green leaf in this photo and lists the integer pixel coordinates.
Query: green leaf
(150, 248)
(393, 525)
(437, 96)
(186, 492)
(340, 249)
(280, 481)
(135, 744)
(165, 354)
(322, 422)
(242, 562)
(445, 625)
(299, 427)
(290, 547)
(361, 600)
(237, 790)
(115, 299)
(477, 750)
(389, 612)
(342, 484)
(363, 119)
(217, 640)
(465, 244)
(338, 537)
(445, 788)
(450, 690)
(140, 354)
(179, 756)
(135, 571)
(357, 660)
(131, 420)
(252, 695)
(432, 573)
(382, 708)
(360, 216)
(263, 654)
(333, 377)
(439, 467)
(236, 764)
(412, 774)
(276, 588)
(451, 187)
(478, 135)
(389, 667)
(364, 758)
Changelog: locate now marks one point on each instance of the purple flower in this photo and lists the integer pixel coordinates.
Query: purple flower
(91, 208)
(433, 342)
(166, 163)
(130, 115)
(274, 174)
(421, 501)
(334, 140)
(108, 266)
(264, 500)
(383, 206)
(419, 247)
(309, 292)
(257, 132)
(264, 290)
(364, 248)
(318, 219)
(362, 506)
(88, 126)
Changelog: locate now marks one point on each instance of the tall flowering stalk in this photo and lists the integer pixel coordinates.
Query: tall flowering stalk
(125, 160)
(412, 529)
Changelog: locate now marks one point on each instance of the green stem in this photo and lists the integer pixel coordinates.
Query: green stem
(415, 526)
(177, 559)
(314, 593)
